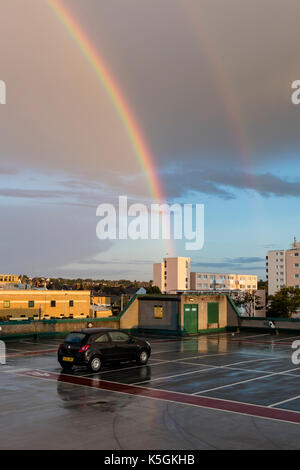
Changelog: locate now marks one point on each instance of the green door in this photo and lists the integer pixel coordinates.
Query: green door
(212, 312)
(190, 318)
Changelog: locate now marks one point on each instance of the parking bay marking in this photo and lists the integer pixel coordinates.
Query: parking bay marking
(209, 367)
(248, 380)
(248, 409)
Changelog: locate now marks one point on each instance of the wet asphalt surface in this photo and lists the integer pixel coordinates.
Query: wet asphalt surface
(52, 411)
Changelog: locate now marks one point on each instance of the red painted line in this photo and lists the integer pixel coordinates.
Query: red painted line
(201, 401)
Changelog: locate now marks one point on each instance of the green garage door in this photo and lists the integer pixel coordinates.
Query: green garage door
(212, 312)
(190, 318)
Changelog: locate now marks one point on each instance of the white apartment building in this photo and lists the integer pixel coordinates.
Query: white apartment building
(173, 274)
(283, 268)
(224, 281)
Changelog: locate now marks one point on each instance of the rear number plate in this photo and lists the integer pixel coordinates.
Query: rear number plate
(68, 359)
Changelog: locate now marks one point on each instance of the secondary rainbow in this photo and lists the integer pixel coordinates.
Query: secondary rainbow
(134, 133)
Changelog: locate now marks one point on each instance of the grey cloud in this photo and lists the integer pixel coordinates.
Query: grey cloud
(242, 263)
(223, 183)
(253, 259)
(226, 267)
(198, 94)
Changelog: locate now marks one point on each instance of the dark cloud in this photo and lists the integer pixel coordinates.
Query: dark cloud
(223, 183)
(245, 260)
(232, 264)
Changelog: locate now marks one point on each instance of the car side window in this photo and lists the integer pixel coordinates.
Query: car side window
(101, 339)
(118, 336)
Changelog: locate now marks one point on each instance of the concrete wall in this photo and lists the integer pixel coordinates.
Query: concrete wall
(52, 327)
(129, 318)
(170, 316)
(281, 324)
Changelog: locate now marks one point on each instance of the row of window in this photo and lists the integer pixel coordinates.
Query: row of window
(31, 303)
(220, 286)
(214, 277)
(7, 279)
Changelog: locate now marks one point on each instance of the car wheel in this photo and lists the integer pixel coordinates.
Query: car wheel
(95, 364)
(143, 357)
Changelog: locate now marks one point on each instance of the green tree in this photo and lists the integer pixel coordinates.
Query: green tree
(153, 290)
(249, 301)
(284, 303)
(262, 284)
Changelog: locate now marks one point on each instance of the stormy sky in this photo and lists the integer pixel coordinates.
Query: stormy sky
(209, 83)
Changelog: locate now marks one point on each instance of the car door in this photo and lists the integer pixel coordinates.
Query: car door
(103, 345)
(124, 349)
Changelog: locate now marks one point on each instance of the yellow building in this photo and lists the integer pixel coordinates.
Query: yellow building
(101, 300)
(19, 303)
(9, 279)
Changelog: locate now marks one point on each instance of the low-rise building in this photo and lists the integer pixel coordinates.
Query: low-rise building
(9, 279)
(223, 281)
(17, 303)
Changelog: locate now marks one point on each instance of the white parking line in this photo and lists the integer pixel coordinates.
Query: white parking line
(173, 376)
(284, 401)
(159, 363)
(254, 336)
(286, 339)
(245, 381)
(209, 367)
(38, 343)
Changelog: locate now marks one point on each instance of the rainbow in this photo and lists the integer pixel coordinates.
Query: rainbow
(134, 133)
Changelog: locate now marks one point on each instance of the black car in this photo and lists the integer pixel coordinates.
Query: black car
(93, 347)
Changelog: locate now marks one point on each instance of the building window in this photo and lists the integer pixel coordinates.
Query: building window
(71, 303)
(296, 276)
(53, 303)
(30, 303)
(296, 254)
(6, 303)
(296, 265)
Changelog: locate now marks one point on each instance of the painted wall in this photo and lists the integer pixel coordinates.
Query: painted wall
(202, 301)
(170, 314)
(130, 317)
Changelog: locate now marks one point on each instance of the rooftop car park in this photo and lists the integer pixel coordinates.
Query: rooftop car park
(221, 390)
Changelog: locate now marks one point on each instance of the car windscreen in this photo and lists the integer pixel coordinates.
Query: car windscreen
(75, 338)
